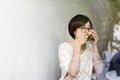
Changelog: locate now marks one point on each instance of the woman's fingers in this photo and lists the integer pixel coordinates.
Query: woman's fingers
(94, 33)
(95, 36)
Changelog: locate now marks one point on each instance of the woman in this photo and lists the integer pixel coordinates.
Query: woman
(76, 56)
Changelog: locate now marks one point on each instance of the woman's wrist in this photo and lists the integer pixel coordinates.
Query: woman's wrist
(95, 48)
(95, 45)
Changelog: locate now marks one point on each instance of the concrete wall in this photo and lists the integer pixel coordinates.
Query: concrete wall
(103, 20)
(31, 30)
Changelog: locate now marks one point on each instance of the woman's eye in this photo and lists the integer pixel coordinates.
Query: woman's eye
(83, 28)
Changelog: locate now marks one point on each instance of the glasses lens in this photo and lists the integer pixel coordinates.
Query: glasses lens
(86, 29)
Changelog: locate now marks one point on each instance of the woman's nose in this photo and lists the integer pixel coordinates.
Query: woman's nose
(87, 30)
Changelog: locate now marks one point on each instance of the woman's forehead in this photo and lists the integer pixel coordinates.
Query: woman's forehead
(87, 25)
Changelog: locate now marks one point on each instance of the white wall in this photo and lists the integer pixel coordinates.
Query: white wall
(30, 32)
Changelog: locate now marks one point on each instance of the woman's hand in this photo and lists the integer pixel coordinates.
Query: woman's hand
(95, 36)
(80, 36)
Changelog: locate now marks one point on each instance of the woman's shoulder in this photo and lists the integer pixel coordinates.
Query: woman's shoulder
(65, 49)
(65, 45)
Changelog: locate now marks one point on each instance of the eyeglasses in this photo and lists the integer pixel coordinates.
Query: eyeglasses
(86, 29)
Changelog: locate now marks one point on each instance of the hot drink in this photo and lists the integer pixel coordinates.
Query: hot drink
(90, 37)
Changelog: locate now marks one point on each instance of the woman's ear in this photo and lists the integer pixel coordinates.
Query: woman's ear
(75, 32)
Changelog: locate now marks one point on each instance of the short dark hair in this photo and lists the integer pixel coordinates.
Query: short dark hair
(76, 22)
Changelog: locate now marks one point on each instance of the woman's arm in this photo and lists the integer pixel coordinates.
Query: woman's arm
(74, 65)
(95, 48)
(98, 63)
(97, 56)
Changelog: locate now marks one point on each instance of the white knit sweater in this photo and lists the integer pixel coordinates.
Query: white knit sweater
(65, 53)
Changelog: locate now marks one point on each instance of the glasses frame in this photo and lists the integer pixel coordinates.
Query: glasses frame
(86, 29)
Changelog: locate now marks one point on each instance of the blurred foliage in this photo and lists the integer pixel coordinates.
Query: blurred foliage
(116, 4)
(115, 7)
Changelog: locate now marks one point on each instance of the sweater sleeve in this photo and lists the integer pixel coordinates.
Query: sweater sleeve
(64, 58)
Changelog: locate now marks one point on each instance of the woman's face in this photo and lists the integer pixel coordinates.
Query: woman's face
(86, 28)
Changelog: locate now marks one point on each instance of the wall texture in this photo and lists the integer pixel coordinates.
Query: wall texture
(31, 31)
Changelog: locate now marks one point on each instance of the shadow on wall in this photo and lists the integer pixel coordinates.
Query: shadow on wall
(102, 16)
